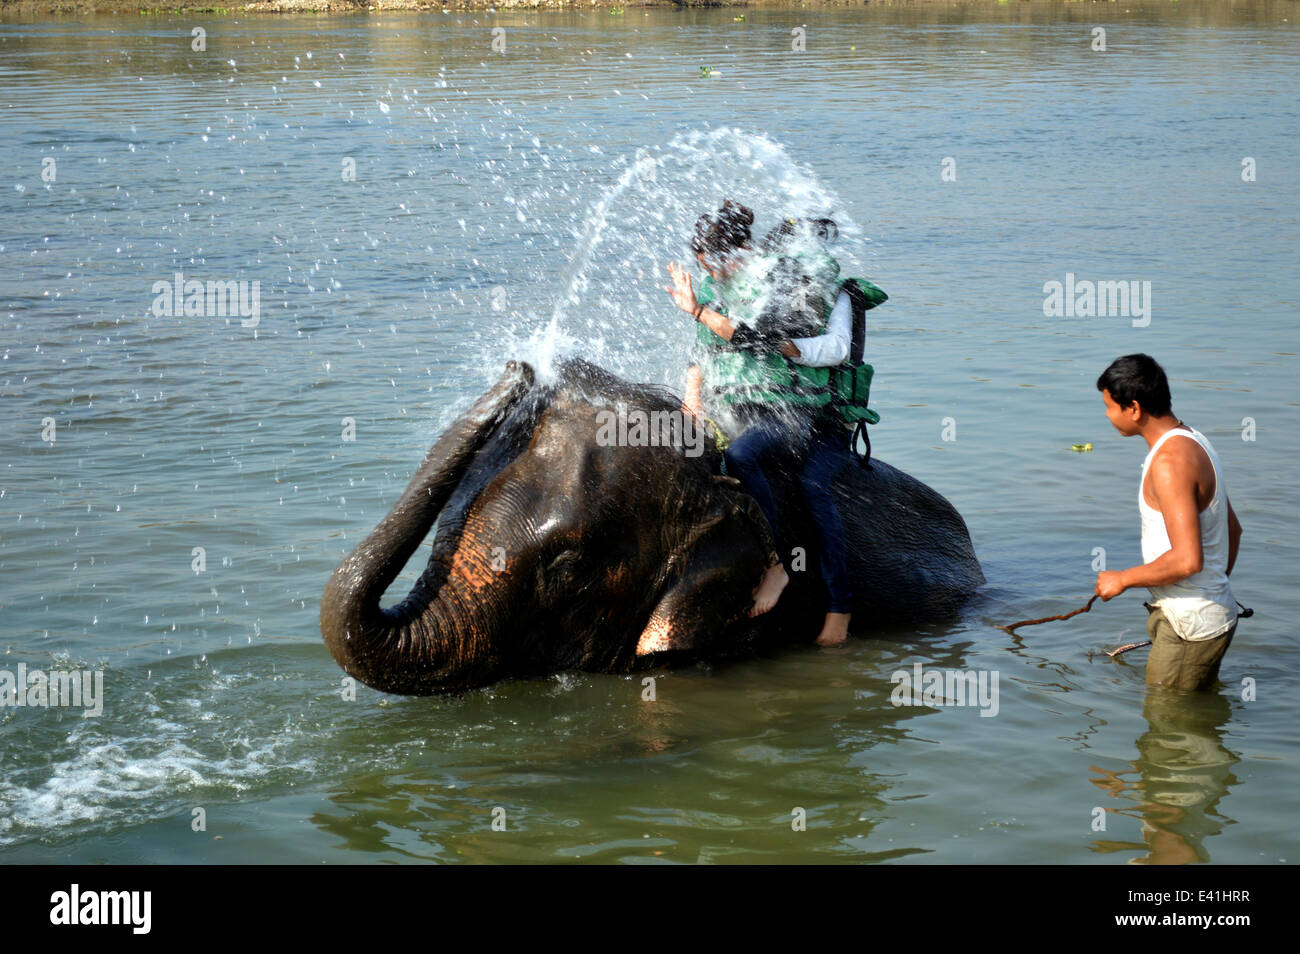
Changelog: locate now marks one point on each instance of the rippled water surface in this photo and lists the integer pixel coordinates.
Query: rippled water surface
(523, 203)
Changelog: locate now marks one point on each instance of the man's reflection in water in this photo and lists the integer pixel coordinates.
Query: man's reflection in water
(1183, 769)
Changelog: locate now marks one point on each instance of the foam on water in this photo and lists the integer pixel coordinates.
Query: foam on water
(167, 741)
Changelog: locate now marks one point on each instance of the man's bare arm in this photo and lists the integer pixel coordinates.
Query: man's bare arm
(1173, 484)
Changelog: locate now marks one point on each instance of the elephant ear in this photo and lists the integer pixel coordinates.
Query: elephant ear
(707, 603)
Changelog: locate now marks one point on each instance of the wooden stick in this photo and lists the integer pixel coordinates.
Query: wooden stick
(1048, 619)
(1112, 653)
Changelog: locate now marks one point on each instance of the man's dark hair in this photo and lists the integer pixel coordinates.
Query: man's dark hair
(1137, 377)
(791, 230)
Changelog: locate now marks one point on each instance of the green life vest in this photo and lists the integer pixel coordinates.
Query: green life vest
(732, 376)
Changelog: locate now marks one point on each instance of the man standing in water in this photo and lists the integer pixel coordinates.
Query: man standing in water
(1190, 533)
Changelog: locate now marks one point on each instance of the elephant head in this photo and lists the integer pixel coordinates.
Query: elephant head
(555, 549)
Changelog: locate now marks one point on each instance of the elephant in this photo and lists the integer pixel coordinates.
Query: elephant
(555, 550)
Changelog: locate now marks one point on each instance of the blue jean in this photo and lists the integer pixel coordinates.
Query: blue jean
(821, 450)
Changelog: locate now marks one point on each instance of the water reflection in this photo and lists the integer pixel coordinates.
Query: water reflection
(711, 770)
(1183, 770)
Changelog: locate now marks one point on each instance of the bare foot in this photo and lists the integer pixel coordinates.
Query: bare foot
(769, 589)
(835, 630)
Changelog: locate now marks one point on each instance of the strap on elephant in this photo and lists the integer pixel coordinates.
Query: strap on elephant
(863, 457)
(851, 382)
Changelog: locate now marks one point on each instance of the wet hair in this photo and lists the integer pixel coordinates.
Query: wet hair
(719, 234)
(794, 304)
(795, 300)
(1137, 377)
(784, 235)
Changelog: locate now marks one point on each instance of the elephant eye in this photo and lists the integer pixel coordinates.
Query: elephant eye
(559, 573)
(564, 560)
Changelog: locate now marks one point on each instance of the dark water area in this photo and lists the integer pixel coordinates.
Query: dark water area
(419, 207)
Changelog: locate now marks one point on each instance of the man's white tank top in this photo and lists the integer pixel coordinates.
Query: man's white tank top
(1200, 606)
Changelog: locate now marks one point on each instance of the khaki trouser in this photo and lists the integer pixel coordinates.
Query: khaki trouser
(1178, 663)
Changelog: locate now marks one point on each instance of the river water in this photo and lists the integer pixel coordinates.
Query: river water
(418, 207)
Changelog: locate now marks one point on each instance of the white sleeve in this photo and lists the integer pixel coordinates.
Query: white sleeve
(831, 348)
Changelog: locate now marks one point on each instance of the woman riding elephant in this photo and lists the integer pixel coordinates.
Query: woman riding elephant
(763, 319)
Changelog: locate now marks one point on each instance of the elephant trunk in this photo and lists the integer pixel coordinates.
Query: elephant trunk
(403, 650)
